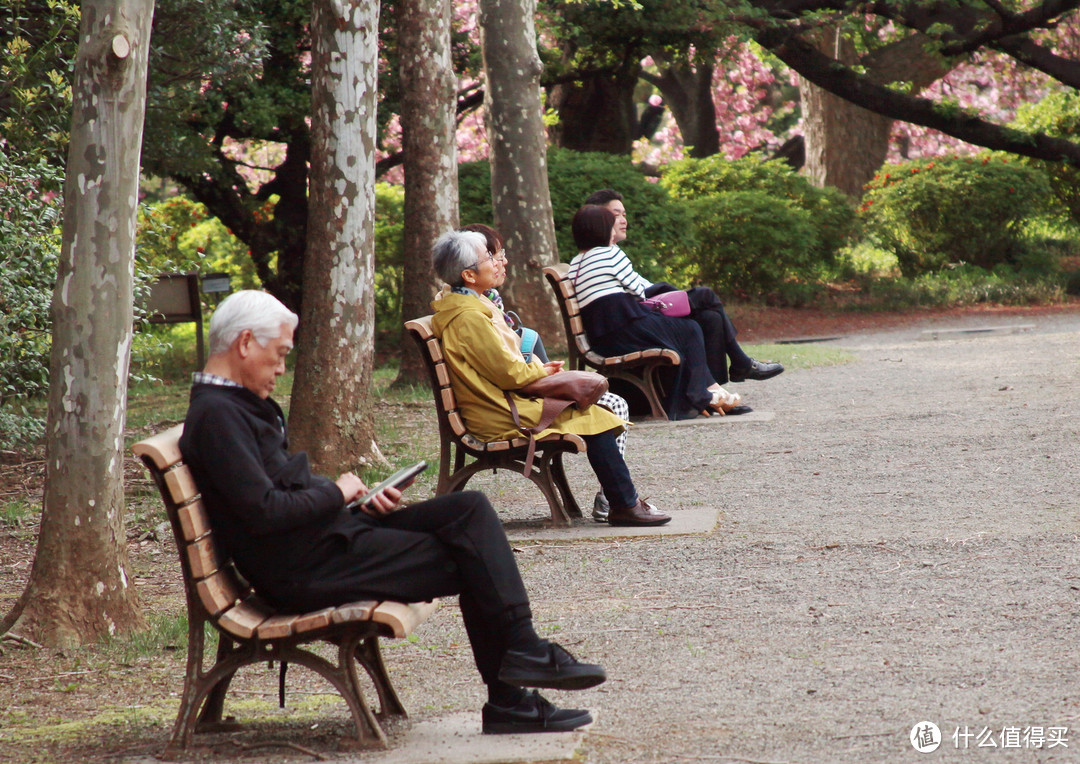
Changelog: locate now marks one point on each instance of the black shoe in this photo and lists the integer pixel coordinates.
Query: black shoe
(550, 666)
(533, 714)
(756, 370)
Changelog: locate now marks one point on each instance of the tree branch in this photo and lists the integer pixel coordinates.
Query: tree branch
(843, 82)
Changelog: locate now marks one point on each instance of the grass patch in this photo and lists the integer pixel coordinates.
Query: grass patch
(801, 356)
(165, 634)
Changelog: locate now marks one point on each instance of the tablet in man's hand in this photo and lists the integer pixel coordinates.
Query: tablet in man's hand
(401, 479)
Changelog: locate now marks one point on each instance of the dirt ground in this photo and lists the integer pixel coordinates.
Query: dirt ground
(897, 546)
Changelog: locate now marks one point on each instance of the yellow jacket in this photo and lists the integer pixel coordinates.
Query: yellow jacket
(484, 357)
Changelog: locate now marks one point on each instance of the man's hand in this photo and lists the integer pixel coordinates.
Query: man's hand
(553, 367)
(351, 486)
(382, 503)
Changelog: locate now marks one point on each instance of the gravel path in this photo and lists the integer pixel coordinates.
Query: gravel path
(898, 545)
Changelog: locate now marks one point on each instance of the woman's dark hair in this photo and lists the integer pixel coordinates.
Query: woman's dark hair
(494, 238)
(592, 226)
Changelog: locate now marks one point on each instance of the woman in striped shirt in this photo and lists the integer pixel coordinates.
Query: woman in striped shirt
(609, 293)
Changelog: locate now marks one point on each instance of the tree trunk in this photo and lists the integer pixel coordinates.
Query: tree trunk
(688, 93)
(331, 415)
(428, 108)
(80, 588)
(597, 113)
(846, 145)
(519, 182)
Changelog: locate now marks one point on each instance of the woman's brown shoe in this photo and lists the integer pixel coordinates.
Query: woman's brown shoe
(642, 513)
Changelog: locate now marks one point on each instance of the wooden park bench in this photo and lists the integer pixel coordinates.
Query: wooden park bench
(250, 632)
(455, 442)
(639, 368)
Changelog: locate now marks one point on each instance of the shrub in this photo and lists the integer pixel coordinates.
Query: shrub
(953, 210)
(389, 259)
(749, 242)
(659, 227)
(1058, 114)
(30, 210)
(758, 224)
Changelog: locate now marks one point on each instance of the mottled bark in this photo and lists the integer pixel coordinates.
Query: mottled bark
(844, 143)
(428, 107)
(519, 182)
(331, 414)
(80, 588)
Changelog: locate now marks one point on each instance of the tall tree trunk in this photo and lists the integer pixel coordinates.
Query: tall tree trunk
(331, 413)
(844, 143)
(688, 92)
(519, 182)
(428, 107)
(80, 588)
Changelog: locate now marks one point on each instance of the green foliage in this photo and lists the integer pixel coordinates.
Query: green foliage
(658, 228)
(178, 235)
(38, 43)
(758, 225)
(953, 210)
(29, 247)
(1057, 114)
(749, 243)
(389, 258)
(961, 285)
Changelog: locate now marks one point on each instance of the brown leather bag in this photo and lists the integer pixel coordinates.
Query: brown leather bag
(559, 390)
(583, 388)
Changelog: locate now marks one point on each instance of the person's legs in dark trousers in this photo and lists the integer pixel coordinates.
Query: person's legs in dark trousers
(611, 469)
(719, 333)
(454, 544)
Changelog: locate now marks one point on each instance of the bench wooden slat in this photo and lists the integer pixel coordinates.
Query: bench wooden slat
(317, 619)
(218, 593)
(276, 627)
(457, 424)
(577, 325)
(202, 557)
(403, 619)
(354, 611)
(193, 520)
(443, 374)
(242, 620)
(435, 349)
(181, 485)
(163, 449)
(448, 400)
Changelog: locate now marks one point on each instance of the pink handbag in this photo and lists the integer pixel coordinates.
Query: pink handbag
(670, 303)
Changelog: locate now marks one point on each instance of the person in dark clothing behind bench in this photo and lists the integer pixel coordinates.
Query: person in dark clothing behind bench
(291, 535)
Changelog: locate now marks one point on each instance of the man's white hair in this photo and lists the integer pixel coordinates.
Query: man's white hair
(252, 309)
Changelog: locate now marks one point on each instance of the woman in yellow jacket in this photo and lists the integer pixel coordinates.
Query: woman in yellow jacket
(484, 357)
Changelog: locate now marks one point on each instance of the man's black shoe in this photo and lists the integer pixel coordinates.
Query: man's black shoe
(533, 714)
(756, 370)
(549, 666)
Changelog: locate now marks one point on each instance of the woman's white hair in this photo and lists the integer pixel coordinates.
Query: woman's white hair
(252, 309)
(454, 252)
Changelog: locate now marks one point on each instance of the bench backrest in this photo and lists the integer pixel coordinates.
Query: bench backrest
(216, 584)
(565, 294)
(451, 422)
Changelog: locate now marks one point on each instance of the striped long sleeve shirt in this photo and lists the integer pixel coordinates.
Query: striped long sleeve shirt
(603, 271)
